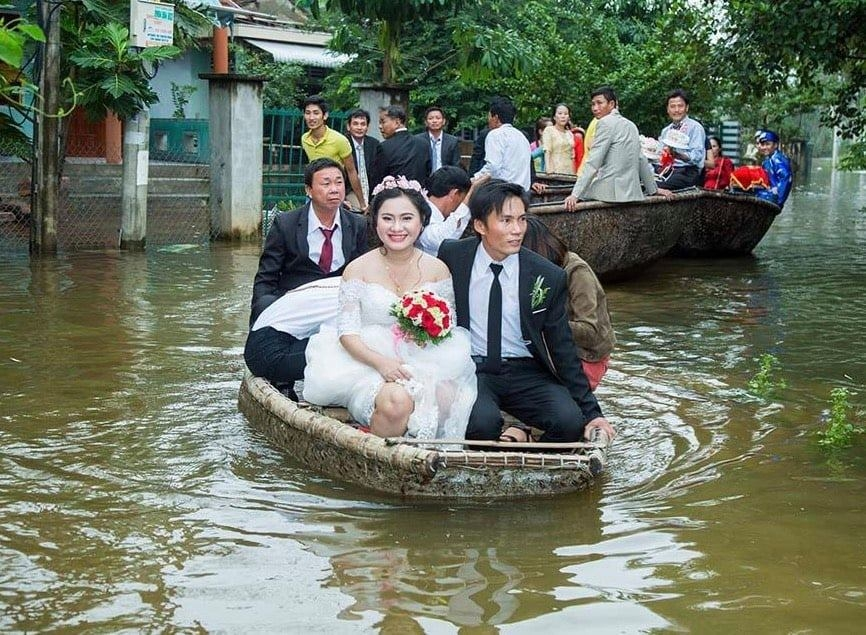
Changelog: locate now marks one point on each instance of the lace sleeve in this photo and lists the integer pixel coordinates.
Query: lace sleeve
(349, 307)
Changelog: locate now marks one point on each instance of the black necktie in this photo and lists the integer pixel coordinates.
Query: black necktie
(494, 322)
(677, 125)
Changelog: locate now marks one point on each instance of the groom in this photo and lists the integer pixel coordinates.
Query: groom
(513, 301)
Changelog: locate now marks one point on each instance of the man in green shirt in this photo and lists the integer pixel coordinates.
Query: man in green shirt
(320, 141)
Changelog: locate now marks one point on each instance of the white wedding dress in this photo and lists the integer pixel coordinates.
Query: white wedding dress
(443, 383)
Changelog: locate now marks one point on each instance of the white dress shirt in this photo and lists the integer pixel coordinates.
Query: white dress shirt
(441, 228)
(316, 239)
(480, 281)
(507, 156)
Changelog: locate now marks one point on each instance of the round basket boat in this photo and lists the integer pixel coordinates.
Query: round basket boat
(321, 439)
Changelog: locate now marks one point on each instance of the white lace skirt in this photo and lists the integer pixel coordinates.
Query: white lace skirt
(443, 384)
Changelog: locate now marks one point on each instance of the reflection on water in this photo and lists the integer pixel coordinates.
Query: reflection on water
(133, 496)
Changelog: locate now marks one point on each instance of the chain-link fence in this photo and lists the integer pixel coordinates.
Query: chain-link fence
(91, 193)
(14, 201)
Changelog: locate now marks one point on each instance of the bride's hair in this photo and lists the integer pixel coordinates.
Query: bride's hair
(415, 197)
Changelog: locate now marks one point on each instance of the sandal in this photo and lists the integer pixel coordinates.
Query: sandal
(508, 435)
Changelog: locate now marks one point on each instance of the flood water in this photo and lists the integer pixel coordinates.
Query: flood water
(134, 496)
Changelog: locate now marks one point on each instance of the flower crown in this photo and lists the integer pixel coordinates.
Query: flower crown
(389, 183)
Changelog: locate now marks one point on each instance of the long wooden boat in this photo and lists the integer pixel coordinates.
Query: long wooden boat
(720, 224)
(321, 439)
(621, 239)
(617, 240)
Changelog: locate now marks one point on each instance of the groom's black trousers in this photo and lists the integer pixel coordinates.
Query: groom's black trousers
(277, 356)
(524, 389)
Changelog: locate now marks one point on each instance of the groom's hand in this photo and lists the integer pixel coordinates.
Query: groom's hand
(602, 424)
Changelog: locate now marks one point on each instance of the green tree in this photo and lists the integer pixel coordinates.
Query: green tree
(16, 88)
(541, 52)
(389, 17)
(811, 50)
(112, 75)
(284, 87)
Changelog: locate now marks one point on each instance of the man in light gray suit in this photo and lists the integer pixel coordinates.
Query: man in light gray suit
(615, 168)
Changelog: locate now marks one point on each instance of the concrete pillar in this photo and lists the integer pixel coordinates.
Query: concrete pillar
(236, 122)
(373, 97)
(136, 161)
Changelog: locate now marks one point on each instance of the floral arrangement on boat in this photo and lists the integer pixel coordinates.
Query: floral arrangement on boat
(423, 317)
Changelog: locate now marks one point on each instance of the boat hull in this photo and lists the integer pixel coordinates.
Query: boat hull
(722, 224)
(619, 240)
(342, 452)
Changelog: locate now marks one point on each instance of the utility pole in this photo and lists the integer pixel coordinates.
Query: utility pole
(47, 171)
(136, 158)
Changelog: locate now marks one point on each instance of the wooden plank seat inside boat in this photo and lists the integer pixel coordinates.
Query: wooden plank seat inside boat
(341, 414)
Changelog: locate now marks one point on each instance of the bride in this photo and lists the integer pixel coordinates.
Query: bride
(386, 381)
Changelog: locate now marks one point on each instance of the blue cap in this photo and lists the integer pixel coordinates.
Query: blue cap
(767, 135)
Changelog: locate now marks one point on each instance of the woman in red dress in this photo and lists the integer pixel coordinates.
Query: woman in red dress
(718, 177)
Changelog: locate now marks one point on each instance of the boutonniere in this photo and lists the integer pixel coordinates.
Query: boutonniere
(539, 292)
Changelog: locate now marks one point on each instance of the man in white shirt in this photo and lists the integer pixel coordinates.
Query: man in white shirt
(448, 193)
(506, 150)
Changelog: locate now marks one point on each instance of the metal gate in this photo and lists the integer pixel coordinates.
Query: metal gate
(284, 158)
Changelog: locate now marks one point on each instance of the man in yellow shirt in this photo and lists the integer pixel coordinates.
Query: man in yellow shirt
(321, 142)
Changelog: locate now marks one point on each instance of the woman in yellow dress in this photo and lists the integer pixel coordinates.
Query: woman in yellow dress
(558, 142)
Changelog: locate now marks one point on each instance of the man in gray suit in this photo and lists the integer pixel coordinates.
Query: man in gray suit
(615, 168)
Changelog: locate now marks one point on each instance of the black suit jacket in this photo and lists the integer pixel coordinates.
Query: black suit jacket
(373, 160)
(544, 328)
(407, 155)
(285, 261)
(476, 162)
(450, 148)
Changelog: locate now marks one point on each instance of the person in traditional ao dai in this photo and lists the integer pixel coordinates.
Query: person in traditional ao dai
(385, 381)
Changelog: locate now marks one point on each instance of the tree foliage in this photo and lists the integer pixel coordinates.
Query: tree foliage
(541, 52)
(284, 86)
(15, 83)
(112, 75)
(814, 52)
(389, 18)
(109, 74)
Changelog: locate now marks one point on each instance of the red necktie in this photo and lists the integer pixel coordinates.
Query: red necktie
(327, 255)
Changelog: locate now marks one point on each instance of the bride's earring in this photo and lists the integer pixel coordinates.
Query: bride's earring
(383, 250)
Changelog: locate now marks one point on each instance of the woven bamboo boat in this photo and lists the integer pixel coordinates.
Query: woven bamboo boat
(720, 224)
(619, 240)
(321, 439)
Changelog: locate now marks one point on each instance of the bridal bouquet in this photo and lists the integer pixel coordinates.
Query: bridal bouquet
(422, 317)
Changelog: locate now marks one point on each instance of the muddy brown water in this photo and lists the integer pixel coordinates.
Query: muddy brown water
(134, 496)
